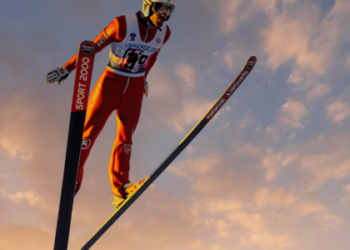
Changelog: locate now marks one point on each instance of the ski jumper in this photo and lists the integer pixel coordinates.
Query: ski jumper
(134, 50)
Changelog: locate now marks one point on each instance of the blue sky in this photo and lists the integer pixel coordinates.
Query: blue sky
(271, 171)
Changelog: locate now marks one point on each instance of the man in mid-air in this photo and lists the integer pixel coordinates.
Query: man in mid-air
(135, 44)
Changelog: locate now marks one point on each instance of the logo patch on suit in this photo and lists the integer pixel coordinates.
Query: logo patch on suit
(85, 144)
(132, 35)
(158, 40)
(127, 148)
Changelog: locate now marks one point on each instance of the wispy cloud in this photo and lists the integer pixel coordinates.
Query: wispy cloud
(195, 167)
(277, 197)
(339, 108)
(273, 162)
(28, 196)
(289, 116)
(191, 111)
(187, 74)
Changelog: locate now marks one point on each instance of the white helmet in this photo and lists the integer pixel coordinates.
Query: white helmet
(151, 5)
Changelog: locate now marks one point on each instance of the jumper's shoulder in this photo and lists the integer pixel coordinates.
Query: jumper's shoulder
(117, 28)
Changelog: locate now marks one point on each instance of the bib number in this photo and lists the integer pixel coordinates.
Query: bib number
(134, 60)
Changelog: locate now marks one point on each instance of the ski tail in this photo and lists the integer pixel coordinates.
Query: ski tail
(76, 127)
(182, 145)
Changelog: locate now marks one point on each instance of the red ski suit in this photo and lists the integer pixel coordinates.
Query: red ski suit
(115, 92)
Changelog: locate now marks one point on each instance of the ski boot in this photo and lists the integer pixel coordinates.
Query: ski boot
(129, 190)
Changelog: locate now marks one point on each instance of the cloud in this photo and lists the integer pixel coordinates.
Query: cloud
(289, 116)
(265, 158)
(187, 74)
(253, 222)
(338, 110)
(320, 211)
(309, 207)
(308, 83)
(312, 47)
(330, 221)
(220, 205)
(325, 166)
(252, 230)
(223, 229)
(277, 197)
(295, 34)
(347, 188)
(192, 168)
(288, 36)
(269, 6)
(192, 111)
(246, 120)
(17, 236)
(347, 194)
(291, 113)
(231, 56)
(12, 142)
(266, 240)
(21, 196)
(229, 21)
(338, 107)
(273, 162)
(223, 127)
(257, 232)
(13, 149)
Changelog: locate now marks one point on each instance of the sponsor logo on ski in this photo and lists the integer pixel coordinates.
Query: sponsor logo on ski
(250, 64)
(216, 108)
(85, 144)
(88, 48)
(141, 47)
(127, 148)
(233, 88)
(236, 84)
(245, 73)
(132, 35)
(79, 105)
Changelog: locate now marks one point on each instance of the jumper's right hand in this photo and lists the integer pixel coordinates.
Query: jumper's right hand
(59, 74)
(146, 89)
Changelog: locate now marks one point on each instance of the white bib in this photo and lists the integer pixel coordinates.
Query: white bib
(129, 57)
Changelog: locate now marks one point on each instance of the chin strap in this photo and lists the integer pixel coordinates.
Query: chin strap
(147, 21)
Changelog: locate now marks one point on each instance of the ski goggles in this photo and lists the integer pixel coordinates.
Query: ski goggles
(161, 8)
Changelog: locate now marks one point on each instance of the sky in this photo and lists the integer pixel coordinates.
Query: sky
(270, 172)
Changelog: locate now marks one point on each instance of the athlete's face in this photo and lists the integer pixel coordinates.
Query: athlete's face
(158, 19)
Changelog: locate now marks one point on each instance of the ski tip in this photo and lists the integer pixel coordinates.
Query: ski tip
(251, 62)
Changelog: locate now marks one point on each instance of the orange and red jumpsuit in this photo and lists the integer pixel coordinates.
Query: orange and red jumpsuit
(118, 92)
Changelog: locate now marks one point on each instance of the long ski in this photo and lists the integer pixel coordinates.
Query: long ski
(76, 126)
(182, 145)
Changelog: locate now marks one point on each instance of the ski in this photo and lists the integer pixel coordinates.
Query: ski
(182, 145)
(81, 90)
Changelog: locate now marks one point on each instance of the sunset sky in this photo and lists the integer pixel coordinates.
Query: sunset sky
(270, 172)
